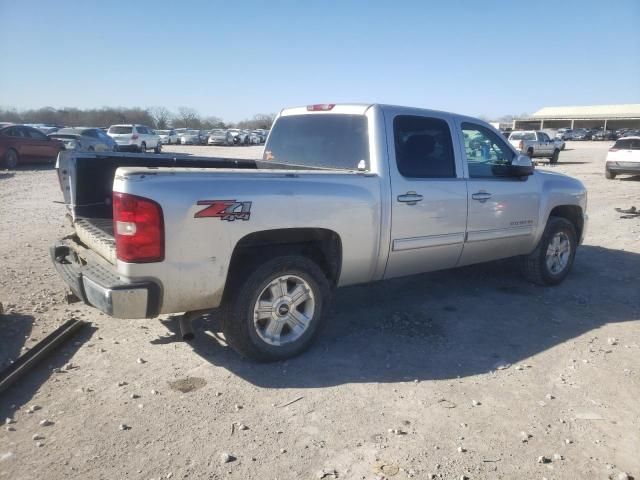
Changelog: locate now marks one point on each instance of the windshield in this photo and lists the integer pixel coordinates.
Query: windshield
(324, 140)
(523, 136)
(120, 130)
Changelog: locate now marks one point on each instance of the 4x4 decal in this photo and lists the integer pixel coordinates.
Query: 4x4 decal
(224, 209)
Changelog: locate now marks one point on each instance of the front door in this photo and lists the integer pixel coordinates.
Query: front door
(429, 194)
(503, 211)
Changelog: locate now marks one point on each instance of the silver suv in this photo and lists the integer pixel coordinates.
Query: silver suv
(135, 138)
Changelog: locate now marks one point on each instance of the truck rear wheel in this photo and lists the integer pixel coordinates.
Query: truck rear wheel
(555, 156)
(278, 309)
(552, 259)
(608, 174)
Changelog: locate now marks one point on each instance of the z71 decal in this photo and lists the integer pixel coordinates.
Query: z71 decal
(224, 209)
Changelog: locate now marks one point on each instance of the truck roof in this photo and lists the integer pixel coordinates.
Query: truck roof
(358, 109)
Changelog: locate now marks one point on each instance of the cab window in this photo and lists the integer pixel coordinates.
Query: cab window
(485, 151)
(423, 147)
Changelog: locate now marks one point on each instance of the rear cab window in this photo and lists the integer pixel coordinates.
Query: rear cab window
(335, 141)
(523, 136)
(627, 144)
(423, 146)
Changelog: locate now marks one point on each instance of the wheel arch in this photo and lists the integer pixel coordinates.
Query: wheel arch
(321, 245)
(573, 213)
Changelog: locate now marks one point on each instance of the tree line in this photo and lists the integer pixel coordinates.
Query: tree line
(156, 117)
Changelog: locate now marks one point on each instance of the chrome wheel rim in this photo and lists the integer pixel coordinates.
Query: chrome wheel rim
(284, 310)
(558, 253)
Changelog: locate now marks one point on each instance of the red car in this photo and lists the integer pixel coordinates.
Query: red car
(20, 144)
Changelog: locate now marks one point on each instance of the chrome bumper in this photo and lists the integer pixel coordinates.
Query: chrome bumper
(99, 285)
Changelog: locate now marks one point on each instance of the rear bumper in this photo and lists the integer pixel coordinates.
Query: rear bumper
(632, 168)
(99, 285)
(128, 147)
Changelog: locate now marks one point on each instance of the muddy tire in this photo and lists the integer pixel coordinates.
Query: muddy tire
(277, 309)
(552, 259)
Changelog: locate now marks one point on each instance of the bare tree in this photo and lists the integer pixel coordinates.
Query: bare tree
(161, 117)
(188, 117)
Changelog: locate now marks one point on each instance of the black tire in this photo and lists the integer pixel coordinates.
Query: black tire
(11, 158)
(608, 174)
(238, 319)
(158, 148)
(555, 156)
(534, 265)
(530, 153)
(143, 147)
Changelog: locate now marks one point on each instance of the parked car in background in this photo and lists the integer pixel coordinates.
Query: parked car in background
(255, 138)
(623, 157)
(604, 135)
(20, 144)
(631, 133)
(235, 133)
(580, 134)
(190, 137)
(43, 127)
(85, 139)
(219, 136)
(535, 144)
(243, 137)
(135, 138)
(167, 137)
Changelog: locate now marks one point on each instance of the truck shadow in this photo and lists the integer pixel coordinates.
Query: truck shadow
(445, 325)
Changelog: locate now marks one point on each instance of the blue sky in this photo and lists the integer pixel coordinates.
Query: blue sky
(234, 59)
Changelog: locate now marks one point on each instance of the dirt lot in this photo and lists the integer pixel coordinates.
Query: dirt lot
(407, 379)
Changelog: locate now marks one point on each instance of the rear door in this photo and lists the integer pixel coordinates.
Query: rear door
(503, 211)
(547, 145)
(429, 194)
(42, 146)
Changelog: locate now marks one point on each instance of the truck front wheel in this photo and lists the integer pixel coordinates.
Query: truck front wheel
(552, 259)
(555, 156)
(278, 309)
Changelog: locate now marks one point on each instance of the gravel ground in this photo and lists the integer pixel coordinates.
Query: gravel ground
(472, 372)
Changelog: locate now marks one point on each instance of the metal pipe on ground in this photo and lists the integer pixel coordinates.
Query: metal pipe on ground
(41, 349)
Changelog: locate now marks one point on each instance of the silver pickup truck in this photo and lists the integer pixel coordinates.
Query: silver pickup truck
(344, 194)
(536, 144)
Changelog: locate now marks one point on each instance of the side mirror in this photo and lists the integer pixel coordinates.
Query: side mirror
(521, 166)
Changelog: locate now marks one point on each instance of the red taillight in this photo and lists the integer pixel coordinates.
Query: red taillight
(521, 145)
(138, 227)
(134, 136)
(320, 107)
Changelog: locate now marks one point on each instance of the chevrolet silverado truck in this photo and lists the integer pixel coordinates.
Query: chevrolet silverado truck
(535, 145)
(343, 195)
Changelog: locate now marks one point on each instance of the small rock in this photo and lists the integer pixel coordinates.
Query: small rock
(9, 428)
(557, 456)
(37, 437)
(327, 474)
(122, 383)
(242, 427)
(543, 459)
(501, 365)
(283, 450)
(475, 403)
(238, 407)
(612, 341)
(39, 444)
(141, 360)
(548, 396)
(226, 457)
(33, 408)
(124, 426)
(218, 394)
(154, 392)
(46, 423)
(134, 396)
(568, 441)
(623, 476)
(461, 449)
(525, 436)
(9, 420)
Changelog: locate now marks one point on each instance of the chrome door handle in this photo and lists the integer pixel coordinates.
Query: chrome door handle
(481, 196)
(410, 198)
